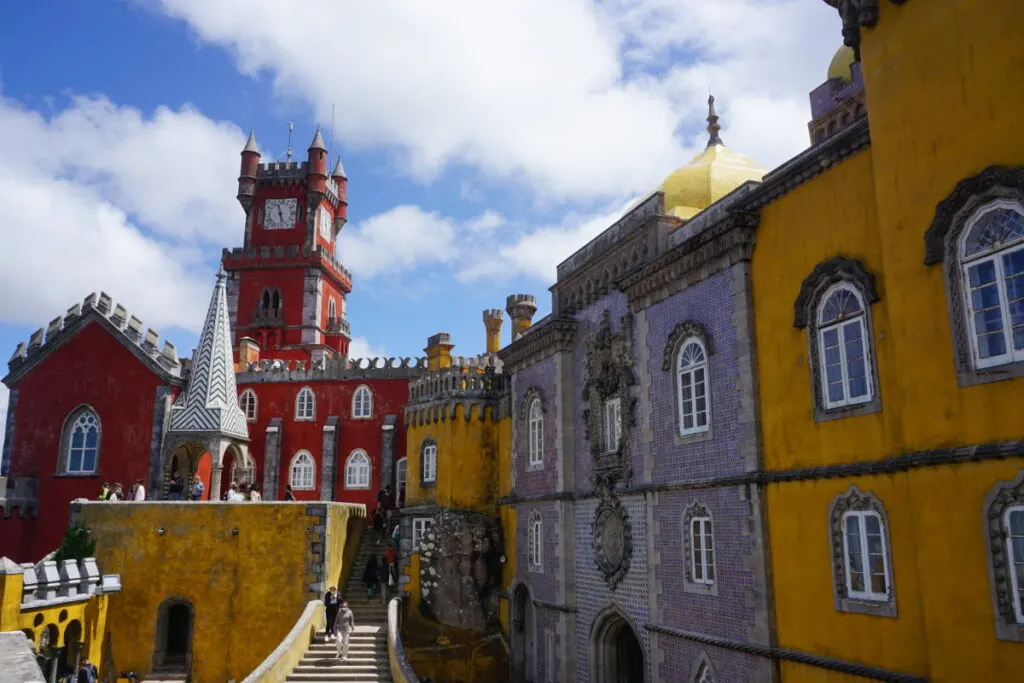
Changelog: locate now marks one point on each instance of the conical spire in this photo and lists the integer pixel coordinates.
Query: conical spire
(209, 404)
(250, 144)
(339, 170)
(318, 141)
(713, 127)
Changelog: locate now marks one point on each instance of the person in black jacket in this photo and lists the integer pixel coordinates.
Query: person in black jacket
(370, 576)
(175, 486)
(331, 607)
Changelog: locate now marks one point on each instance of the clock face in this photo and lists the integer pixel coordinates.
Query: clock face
(280, 214)
(326, 229)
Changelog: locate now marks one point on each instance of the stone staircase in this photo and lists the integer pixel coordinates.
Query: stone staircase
(368, 647)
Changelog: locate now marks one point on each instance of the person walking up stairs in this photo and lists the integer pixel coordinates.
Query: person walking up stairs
(367, 660)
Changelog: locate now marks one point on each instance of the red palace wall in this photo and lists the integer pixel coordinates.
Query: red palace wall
(92, 368)
(333, 397)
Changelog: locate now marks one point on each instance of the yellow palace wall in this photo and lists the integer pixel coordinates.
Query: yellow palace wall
(940, 106)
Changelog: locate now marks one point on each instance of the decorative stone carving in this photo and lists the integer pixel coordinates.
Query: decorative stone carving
(610, 376)
(826, 274)
(1005, 495)
(856, 500)
(528, 397)
(683, 331)
(612, 537)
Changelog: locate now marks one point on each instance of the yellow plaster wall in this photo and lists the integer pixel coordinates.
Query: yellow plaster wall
(248, 589)
(508, 517)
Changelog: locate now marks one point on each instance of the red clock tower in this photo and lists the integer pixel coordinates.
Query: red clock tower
(286, 289)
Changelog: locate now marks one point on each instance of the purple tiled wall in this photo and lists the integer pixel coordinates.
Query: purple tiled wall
(532, 480)
(543, 584)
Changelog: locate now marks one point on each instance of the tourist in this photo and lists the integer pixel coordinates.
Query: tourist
(198, 488)
(344, 625)
(401, 497)
(175, 486)
(234, 495)
(140, 491)
(370, 576)
(383, 578)
(331, 608)
(105, 491)
(288, 495)
(378, 523)
(87, 672)
(117, 494)
(255, 495)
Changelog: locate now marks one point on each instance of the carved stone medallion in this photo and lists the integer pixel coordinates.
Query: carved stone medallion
(612, 536)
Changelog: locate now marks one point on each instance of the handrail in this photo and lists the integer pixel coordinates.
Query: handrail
(401, 669)
(289, 653)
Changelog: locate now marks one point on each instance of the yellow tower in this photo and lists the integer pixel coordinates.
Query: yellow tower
(493, 320)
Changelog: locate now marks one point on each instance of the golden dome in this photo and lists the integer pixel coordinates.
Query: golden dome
(841, 64)
(709, 176)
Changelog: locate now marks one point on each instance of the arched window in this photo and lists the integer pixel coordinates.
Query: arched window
(992, 258)
(82, 439)
(536, 542)
(401, 473)
(332, 312)
(357, 470)
(861, 554)
(362, 403)
(702, 549)
(265, 300)
(428, 462)
(305, 404)
(692, 385)
(275, 301)
(302, 472)
(247, 401)
(843, 348)
(704, 675)
(535, 428)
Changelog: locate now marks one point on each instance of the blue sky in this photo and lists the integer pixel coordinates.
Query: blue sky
(484, 142)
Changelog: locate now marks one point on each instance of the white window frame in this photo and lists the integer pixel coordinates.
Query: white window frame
(995, 256)
(428, 453)
(535, 538)
(420, 527)
(249, 404)
(535, 432)
(868, 594)
(840, 327)
(358, 475)
(79, 415)
(362, 403)
(702, 527)
(296, 478)
(691, 371)
(401, 473)
(1012, 561)
(305, 405)
(612, 424)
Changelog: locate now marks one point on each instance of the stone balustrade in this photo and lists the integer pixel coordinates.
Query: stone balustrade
(51, 582)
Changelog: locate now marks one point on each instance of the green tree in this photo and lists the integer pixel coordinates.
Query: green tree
(78, 544)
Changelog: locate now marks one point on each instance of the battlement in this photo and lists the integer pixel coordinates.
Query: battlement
(267, 370)
(117, 318)
(56, 583)
(473, 376)
(282, 169)
(255, 257)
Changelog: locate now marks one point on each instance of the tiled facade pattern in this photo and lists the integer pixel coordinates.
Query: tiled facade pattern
(544, 584)
(543, 378)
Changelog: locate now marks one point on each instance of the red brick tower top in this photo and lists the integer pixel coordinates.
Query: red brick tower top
(286, 288)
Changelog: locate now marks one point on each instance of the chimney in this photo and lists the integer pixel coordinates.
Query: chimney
(493, 319)
(248, 352)
(521, 309)
(439, 351)
(247, 173)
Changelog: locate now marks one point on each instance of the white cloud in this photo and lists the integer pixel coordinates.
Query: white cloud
(577, 99)
(360, 347)
(76, 186)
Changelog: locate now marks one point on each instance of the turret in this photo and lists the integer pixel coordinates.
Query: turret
(521, 309)
(247, 173)
(341, 180)
(317, 170)
(493, 320)
(439, 351)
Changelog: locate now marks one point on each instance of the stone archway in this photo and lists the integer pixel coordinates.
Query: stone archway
(616, 654)
(524, 637)
(175, 628)
(188, 459)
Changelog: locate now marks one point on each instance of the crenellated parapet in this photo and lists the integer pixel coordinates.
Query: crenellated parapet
(260, 257)
(51, 583)
(266, 370)
(478, 385)
(128, 329)
(284, 173)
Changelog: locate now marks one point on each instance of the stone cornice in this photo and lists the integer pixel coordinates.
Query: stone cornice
(554, 336)
(615, 233)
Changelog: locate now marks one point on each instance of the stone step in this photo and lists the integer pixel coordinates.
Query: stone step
(347, 676)
(358, 656)
(338, 665)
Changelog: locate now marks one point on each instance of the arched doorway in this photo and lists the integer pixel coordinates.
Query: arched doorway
(524, 640)
(73, 644)
(174, 630)
(189, 459)
(616, 655)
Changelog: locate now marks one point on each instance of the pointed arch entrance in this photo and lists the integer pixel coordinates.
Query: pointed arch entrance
(616, 654)
(524, 637)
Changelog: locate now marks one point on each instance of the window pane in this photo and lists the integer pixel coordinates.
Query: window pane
(77, 437)
(89, 460)
(75, 460)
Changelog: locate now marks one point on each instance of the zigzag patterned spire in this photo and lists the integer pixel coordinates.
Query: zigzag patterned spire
(210, 402)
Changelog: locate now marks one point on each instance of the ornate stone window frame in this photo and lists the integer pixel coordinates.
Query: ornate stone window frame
(301, 415)
(427, 443)
(535, 542)
(697, 510)
(1004, 496)
(611, 535)
(533, 397)
(838, 270)
(64, 456)
(954, 216)
(681, 336)
(311, 465)
(703, 671)
(249, 403)
(349, 486)
(855, 500)
(365, 402)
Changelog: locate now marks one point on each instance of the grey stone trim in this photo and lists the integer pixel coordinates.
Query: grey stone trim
(553, 606)
(747, 385)
(272, 459)
(900, 463)
(161, 415)
(1003, 495)
(645, 407)
(566, 433)
(162, 625)
(683, 331)
(554, 335)
(701, 665)
(65, 437)
(5, 458)
(316, 542)
(650, 207)
(388, 474)
(827, 273)
(788, 655)
(856, 500)
(329, 458)
(312, 300)
(231, 285)
(535, 567)
(690, 585)
(529, 396)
